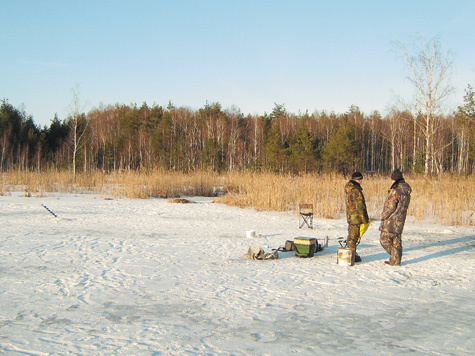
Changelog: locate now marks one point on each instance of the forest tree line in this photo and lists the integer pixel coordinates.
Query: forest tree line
(131, 137)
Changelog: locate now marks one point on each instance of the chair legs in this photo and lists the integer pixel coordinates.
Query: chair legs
(306, 219)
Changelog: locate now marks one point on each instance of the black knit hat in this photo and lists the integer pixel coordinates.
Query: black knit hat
(357, 176)
(396, 174)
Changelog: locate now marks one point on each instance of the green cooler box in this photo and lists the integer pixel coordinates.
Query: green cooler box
(305, 246)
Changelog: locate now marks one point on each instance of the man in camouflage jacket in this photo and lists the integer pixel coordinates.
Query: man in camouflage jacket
(393, 217)
(356, 213)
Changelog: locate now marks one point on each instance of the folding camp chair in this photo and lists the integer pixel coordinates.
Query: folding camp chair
(306, 215)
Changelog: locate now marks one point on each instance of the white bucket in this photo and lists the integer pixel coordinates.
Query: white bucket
(250, 234)
(345, 256)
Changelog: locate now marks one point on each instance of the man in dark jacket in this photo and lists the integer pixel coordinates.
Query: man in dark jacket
(393, 217)
(356, 213)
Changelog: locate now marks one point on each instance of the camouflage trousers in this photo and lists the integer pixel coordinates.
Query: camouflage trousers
(392, 243)
(353, 236)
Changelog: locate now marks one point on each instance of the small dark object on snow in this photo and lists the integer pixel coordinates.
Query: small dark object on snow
(181, 201)
(44, 206)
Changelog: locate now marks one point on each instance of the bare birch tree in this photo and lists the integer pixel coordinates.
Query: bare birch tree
(429, 74)
(77, 124)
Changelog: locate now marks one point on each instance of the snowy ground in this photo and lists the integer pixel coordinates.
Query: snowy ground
(148, 277)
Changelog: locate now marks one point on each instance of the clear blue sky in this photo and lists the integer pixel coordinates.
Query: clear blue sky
(307, 55)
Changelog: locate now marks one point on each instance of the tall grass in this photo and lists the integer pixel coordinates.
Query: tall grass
(125, 184)
(448, 200)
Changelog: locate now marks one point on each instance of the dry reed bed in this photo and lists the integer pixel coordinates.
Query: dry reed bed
(125, 184)
(448, 200)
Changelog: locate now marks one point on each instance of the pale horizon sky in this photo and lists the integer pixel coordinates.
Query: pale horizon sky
(305, 55)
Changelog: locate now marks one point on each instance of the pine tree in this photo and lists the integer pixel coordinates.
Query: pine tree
(340, 152)
(301, 150)
(466, 120)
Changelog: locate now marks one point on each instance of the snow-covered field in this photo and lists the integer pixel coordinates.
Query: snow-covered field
(149, 277)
